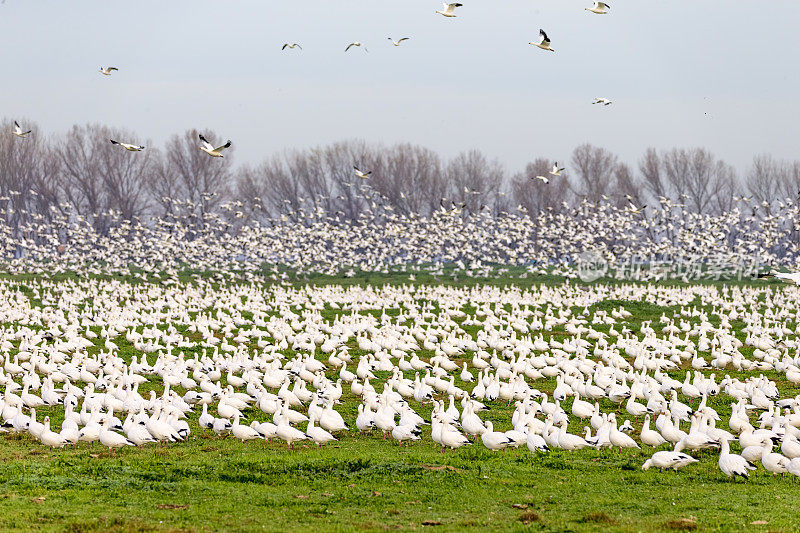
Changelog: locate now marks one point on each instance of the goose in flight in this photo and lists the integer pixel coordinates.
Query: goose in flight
(362, 175)
(449, 9)
(556, 171)
(106, 71)
(128, 147)
(635, 210)
(208, 148)
(543, 179)
(293, 45)
(600, 8)
(544, 41)
(604, 101)
(398, 41)
(18, 131)
(349, 46)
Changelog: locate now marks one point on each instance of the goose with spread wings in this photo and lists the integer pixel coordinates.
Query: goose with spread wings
(449, 9)
(349, 46)
(208, 148)
(18, 131)
(106, 71)
(544, 41)
(128, 147)
(601, 8)
(292, 46)
(398, 41)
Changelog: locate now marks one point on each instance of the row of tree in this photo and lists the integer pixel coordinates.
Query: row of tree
(81, 173)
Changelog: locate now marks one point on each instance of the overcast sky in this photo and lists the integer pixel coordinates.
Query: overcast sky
(723, 75)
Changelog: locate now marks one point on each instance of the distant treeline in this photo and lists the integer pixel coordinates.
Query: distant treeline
(82, 174)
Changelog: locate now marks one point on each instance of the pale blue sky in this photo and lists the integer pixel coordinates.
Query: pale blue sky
(722, 75)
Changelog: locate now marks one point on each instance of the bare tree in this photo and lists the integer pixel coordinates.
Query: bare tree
(593, 168)
(534, 194)
(192, 175)
(475, 181)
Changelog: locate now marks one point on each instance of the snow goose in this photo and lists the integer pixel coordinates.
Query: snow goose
(448, 10)
(292, 46)
(242, 432)
(18, 131)
(402, 433)
(650, 437)
(544, 41)
(398, 41)
(668, 459)
(556, 170)
(363, 176)
(356, 43)
(128, 147)
(288, 433)
(106, 71)
(600, 8)
(602, 101)
(568, 441)
(208, 148)
(318, 434)
(50, 438)
(733, 465)
(773, 462)
(494, 440)
(794, 467)
(365, 418)
(112, 439)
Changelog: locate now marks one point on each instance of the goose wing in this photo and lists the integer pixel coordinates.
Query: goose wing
(207, 145)
(544, 38)
(224, 146)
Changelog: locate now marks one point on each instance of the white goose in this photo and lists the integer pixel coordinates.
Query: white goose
(112, 439)
(318, 434)
(544, 41)
(668, 459)
(600, 8)
(355, 43)
(106, 71)
(360, 174)
(128, 147)
(208, 148)
(18, 131)
(398, 41)
(449, 9)
(733, 465)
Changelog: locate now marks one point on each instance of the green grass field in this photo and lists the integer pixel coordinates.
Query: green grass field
(366, 483)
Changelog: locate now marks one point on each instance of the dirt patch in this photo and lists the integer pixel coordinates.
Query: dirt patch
(529, 517)
(681, 524)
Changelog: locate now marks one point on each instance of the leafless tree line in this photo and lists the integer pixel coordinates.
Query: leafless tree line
(82, 174)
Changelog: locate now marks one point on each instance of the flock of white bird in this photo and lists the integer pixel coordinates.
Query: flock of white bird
(263, 361)
(448, 10)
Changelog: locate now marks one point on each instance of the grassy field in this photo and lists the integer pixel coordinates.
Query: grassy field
(366, 483)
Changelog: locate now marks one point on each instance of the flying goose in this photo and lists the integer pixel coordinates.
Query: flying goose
(292, 45)
(398, 41)
(600, 8)
(362, 175)
(208, 148)
(556, 171)
(349, 46)
(106, 71)
(604, 101)
(18, 131)
(543, 179)
(128, 147)
(449, 9)
(544, 41)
